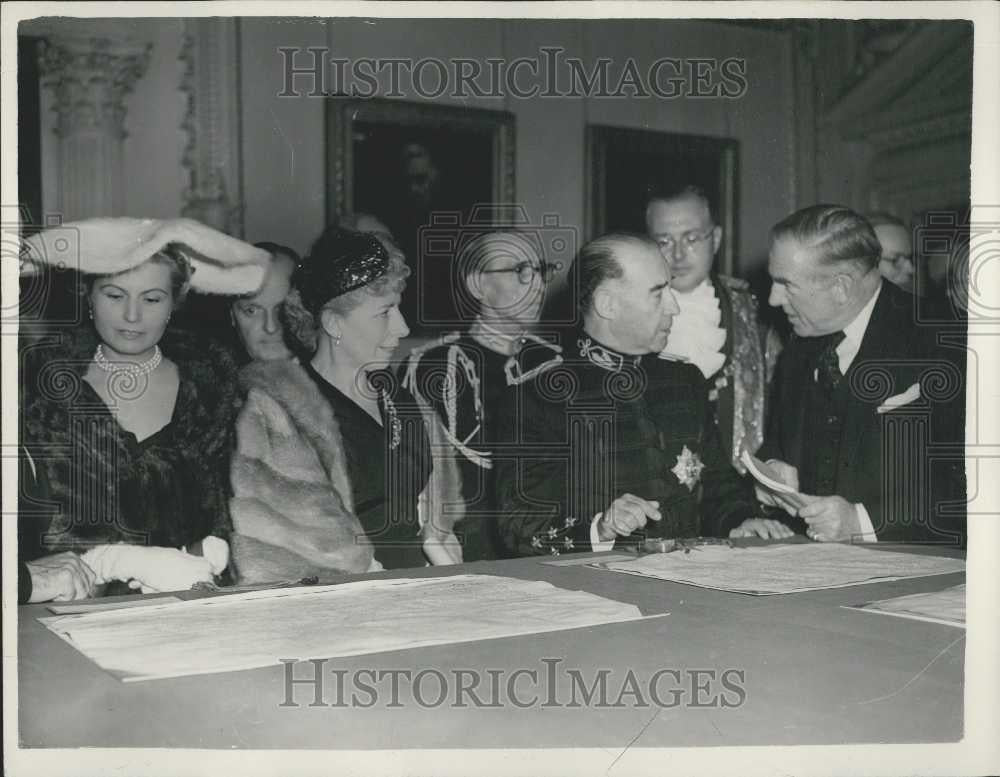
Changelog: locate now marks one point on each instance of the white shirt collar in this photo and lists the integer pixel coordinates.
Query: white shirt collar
(854, 332)
(856, 329)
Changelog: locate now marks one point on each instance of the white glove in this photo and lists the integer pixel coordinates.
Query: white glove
(216, 550)
(151, 569)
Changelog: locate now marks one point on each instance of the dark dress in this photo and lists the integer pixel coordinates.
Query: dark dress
(104, 486)
(386, 476)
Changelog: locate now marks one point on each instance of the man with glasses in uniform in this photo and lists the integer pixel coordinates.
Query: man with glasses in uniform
(463, 375)
(717, 328)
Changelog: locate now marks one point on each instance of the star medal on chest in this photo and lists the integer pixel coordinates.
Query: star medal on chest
(688, 468)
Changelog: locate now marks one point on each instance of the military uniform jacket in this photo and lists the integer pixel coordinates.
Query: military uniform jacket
(601, 425)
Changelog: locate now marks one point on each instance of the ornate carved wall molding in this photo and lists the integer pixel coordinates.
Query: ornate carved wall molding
(907, 118)
(90, 78)
(936, 129)
(213, 154)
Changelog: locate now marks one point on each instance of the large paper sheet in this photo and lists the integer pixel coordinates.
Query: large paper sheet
(250, 630)
(784, 569)
(947, 606)
(134, 601)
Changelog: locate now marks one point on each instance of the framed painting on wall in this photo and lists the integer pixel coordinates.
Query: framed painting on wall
(417, 166)
(627, 166)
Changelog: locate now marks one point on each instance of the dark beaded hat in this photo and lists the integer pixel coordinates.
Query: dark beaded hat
(340, 261)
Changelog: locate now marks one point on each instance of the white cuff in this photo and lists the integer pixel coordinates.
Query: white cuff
(865, 522)
(596, 543)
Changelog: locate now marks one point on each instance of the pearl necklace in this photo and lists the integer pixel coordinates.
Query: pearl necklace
(129, 368)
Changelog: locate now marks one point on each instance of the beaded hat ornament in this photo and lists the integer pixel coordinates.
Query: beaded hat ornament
(340, 261)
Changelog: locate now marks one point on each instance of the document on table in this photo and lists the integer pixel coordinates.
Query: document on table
(783, 569)
(256, 629)
(947, 606)
(134, 601)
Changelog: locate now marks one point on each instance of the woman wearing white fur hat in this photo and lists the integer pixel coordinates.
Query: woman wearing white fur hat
(129, 419)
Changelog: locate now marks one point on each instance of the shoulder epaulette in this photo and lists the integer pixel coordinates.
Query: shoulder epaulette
(413, 360)
(535, 356)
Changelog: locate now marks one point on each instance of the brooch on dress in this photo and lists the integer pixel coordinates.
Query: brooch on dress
(395, 427)
(688, 468)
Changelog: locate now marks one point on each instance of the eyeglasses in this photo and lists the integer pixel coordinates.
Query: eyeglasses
(526, 271)
(689, 241)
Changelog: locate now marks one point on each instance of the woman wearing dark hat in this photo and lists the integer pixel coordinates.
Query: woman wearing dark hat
(334, 471)
(131, 420)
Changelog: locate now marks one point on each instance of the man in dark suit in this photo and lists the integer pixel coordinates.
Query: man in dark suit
(615, 437)
(868, 416)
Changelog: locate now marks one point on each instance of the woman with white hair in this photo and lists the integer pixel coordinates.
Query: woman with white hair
(334, 471)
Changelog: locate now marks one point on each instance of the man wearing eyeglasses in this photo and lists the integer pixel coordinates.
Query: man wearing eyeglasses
(717, 328)
(896, 264)
(465, 374)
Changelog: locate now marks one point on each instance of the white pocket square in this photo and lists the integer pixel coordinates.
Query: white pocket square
(911, 394)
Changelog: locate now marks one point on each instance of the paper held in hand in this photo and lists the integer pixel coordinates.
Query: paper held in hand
(768, 478)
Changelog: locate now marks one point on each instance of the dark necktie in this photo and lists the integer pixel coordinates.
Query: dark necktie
(827, 363)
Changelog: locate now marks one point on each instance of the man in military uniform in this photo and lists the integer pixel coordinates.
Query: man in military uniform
(717, 328)
(464, 375)
(615, 444)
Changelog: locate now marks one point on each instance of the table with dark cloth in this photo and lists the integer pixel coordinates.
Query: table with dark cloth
(813, 672)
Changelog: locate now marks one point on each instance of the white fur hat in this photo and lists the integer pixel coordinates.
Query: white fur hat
(106, 246)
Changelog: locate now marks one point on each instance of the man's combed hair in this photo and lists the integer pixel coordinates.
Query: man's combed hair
(882, 218)
(475, 254)
(597, 263)
(680, 193)
(838, 234)
(276, 249)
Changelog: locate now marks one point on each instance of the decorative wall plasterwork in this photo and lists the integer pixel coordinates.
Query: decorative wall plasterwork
(908, 121)
(210, 54)
(89, 77)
